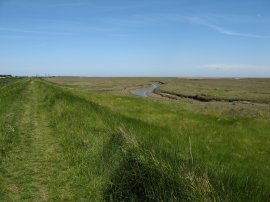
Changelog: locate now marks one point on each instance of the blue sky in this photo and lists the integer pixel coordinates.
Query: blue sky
(135, 38)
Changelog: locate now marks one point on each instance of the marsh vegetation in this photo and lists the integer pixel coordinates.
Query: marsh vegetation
(90, 139)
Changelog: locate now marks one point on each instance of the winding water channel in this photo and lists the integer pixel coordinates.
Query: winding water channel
(144, 92)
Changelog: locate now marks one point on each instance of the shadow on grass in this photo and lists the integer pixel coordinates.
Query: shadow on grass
(135, 179)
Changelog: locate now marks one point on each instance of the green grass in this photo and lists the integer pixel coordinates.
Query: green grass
(251, 89)
(72, 145)
(116, 85)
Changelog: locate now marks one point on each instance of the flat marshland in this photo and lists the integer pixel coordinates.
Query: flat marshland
(91, 139)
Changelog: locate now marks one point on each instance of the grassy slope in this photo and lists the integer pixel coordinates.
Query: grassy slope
(237, 146)
(72, 145)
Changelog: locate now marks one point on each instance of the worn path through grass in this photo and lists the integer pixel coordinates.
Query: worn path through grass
(33, 163)
(59, 144)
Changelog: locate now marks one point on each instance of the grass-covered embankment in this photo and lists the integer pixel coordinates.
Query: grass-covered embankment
(95, 147)
(11, 99)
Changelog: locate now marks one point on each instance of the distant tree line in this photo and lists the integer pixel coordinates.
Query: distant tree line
(5, 76)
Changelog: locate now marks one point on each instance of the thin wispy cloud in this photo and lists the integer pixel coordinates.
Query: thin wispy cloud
(157, 18)
(85, 26)
(238, 19)
(15, 30)
(70, 4)
(157, 36)
(57, 29)
(229, 67)
(44, 4)
(220, 29)
(18, 36)
(28, 32)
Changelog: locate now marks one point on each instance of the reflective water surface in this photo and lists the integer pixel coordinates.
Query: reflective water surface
(143, 92)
